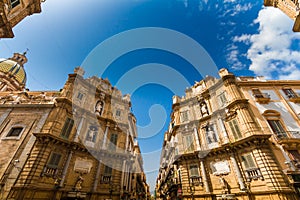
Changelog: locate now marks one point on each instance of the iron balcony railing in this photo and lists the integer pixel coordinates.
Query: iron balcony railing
(287, 135)
(253, 173)
(50, 171)
(262, 95)
(106, 179)
(196, 180)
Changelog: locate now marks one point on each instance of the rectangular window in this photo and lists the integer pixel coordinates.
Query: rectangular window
(118, 113)
(194, 172)
(277, 128)
(14, 3)
(248, 161)
(67, 128)
(54, 160)
(14, 132)
(113, 141)
(107, 170)
(79, 96)
(222, 99)
(184, 116)
(257, 93)
(189, 143)
(235, 129)
(289, 93)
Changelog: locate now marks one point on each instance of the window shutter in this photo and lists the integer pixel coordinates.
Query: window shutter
(67, 128)
(248, 161)
(194, 170)
(54, 160)
(108, 170)
(14, 132)
(235, 129)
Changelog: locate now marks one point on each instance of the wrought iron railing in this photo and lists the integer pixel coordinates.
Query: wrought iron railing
(106, 179)
(287, 135)
(196, 180)
(51, 171)
(253, 173)
(262, 95)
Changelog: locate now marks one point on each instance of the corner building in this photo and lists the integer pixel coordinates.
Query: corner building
(14, 11)
(290, 7)
(76, 143)
(233, 138)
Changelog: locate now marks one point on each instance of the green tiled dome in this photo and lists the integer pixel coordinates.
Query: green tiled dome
(13, 69)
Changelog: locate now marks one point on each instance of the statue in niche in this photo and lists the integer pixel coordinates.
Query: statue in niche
(203, 109)
(99, 107)
(210, 133)
(92, 134)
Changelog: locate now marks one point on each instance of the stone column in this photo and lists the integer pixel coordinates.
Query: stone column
(123, 176)
(204, 176)
(127, 141)
(78, 130)
(105, 136)
(238, 172)
(64, 173)
(97, 176)
(197, 139)
(223, 130)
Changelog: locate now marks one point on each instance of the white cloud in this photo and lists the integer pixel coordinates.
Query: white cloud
(233, 57)
(241, 8)
(270, 50)
(243, 38)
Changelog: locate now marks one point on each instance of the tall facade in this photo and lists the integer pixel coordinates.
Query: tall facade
(229, 139)
(14, 11)
(290, 7)
(77, 143)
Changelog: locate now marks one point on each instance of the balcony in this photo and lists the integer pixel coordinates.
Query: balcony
(294, 98)
(262, 97)
(50, 171)
(106, 179)
(253, 174)
(279, 136)
(288, 139)
(196, 180)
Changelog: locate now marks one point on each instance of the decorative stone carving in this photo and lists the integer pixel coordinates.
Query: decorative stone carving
(78, 184)
(83, 166)
(220, 168)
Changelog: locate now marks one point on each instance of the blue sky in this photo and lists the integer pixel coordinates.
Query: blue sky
(242, 36)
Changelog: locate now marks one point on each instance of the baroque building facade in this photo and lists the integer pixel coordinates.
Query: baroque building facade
(14, 11)
(76, 143)
(290, 7)
(233, 138)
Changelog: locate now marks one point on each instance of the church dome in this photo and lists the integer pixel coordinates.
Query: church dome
(13, 69)
(12, 73)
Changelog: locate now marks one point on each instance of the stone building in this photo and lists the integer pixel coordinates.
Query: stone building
(76, 143)
(14, 11)
(229, 139)
(290, 7)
